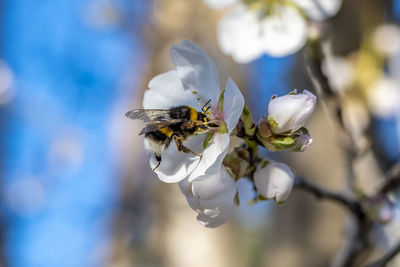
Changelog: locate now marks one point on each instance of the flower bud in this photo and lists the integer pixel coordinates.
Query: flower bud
(290, 112)
(380, 209)
(263, 128)
(237, 163)
(303, 142)
(274, 181)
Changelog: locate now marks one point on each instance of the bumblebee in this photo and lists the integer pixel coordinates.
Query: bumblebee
(162, 126)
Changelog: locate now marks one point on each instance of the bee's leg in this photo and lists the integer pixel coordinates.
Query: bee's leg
(158, 158)
(181, 147)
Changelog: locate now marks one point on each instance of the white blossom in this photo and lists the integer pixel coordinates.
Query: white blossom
(319, 9)
(211, 197)
(386, 39)
(218, 4)
(278, 29)
(274, 181)
(384, 97)
(290, 112)
(195, 81)
(340, 72)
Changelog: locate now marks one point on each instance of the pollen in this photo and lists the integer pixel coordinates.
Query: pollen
(198, 99)
(199, 104)
(194, 92)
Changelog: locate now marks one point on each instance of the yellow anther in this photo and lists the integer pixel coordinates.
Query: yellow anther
(194, 92)
(199, 104)
(208, 112)
(198, 99)
(205, 119)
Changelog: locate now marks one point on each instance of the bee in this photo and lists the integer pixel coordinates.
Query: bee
(162, 126)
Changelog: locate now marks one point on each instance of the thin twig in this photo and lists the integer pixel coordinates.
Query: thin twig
(387, 257)
(393, 181)
(321, 193)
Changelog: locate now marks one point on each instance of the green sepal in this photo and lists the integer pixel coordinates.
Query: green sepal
(279, 202)
(280, 143)
(264, 163)
(252, 201)
(221, 101)
(207, 141)
(258, 198)
(249, 126)
(272, 123)
(223, 129)
(261, 198)
(237, 200)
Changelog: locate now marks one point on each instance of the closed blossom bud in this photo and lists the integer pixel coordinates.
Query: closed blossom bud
(237, 163)
(274, 181)
(303, 142)
(380, 209)
(290, 112)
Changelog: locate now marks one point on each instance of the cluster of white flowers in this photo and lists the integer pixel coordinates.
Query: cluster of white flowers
(207, 184)
(277, 28)
(208, 188)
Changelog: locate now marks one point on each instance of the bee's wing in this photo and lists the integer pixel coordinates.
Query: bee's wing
(157, 125)
(149, 115)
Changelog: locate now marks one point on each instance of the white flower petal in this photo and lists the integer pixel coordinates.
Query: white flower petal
(239, 35)
(212, 197)
(212, 158)
(386, 39)
(284, 31)
(175, 165)
(196, 70)
(275, 181)
(219, 4)
(186, 188)
(214, 187)
(213, 218)
(384, 97)
(165, 91)
(319, 9)
(340, 72)
(291, 112)
(233, 104)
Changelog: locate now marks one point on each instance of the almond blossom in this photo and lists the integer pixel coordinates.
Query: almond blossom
(194, 82)
(274, 181)
(276, 28)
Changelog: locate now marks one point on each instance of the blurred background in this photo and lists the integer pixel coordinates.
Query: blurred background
(76, 186)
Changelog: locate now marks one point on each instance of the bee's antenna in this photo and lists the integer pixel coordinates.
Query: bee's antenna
(204, 109)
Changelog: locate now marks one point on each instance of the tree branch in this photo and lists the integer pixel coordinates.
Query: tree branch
(387, 257)
(393, 181)
(321, 193)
